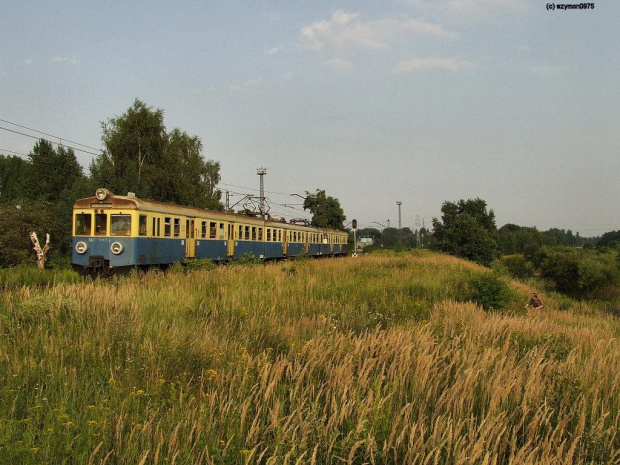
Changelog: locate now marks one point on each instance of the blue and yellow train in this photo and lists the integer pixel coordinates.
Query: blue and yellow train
(118, 233)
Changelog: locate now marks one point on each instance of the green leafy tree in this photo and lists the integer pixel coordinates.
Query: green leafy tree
(467, 230)
(609, 239)
(193, 180)
(326, 210)
(51, 171)
(141, 156)
(579, 273)
(17, 220)
(390, 237)
(134, 151)
(13, 182)
(373, 233)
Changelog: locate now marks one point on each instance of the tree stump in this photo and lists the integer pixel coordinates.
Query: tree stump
(41, 252)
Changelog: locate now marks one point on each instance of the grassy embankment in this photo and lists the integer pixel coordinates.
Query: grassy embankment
(378, 359)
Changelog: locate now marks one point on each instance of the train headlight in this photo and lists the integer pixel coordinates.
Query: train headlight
(81, 247)
(117, 248)
(101, 194)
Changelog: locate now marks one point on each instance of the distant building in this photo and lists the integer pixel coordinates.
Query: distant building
(365, 241)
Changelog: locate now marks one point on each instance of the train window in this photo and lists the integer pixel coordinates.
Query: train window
(83, 224)
(203, 230)
(212, 229)
(120, 225)
(177, 227)
(221, 230)
(253, 233)
(154, 230)
(167, 226)
(260, 234)
(101, 224)
(142, 225)
(268, 235)
(240, 233)
(158, 227)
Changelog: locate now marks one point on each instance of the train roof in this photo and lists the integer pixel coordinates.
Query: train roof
(131, 202)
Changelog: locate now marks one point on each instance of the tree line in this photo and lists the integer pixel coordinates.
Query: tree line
(576, 266)
(139, 155)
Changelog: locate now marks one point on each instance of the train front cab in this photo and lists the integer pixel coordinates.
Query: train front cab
(103, 239)
(109, 239)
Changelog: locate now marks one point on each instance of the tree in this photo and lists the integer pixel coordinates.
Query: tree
(467, 230)
(16, 224)
(609, 239)
(134, 150)
(579, 273)
(12, 178)
(326, 210)
(141, 157)
(51, 171)
(194, 180)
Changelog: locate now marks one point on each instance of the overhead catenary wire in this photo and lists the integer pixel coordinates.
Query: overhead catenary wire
(13, 152)
(50, 141)
(49, 135)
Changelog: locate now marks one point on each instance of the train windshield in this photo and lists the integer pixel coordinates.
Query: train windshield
(101, 224)
(120, 225)
(83, 224)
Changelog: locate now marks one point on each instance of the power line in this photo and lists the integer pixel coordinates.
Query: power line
(251, 188)
(50, 135)
(50, 141)
(13, 152)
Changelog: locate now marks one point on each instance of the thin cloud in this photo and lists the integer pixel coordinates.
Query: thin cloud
(348, 31)
(273, 16)
(65, 60)
(474, 8)
(338, 63)
(246, 86)
(342, 30)
(545, 70)
(427, 28)
(425, 64)
(288, 76)
(271, 52)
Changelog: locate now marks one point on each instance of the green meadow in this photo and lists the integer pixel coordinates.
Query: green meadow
(380, 359)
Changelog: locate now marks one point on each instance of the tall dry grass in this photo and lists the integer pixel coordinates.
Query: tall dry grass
(369, 360)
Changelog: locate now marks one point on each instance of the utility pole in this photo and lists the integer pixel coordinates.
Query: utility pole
(400, 225)
(262, 172)
(418, 224)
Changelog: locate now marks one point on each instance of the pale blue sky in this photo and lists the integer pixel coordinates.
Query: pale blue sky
(413, 100)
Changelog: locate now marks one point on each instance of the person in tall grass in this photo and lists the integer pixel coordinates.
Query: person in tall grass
(535, 302)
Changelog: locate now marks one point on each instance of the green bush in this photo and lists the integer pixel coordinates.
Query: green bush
(489, 291)
(198, 264)
(518, 266)
(249, 259)
(20, 276)
(580, 273)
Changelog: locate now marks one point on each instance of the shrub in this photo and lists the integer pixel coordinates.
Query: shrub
(249, 259)
(198, 264)
(489, 291)
(518, 266)
(579, 273)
